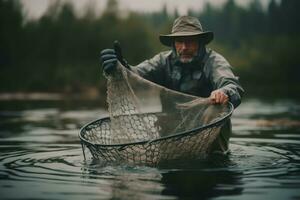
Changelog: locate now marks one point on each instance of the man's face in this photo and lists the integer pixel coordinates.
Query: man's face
(186, 48)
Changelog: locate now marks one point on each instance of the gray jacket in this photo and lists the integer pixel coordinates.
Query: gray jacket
(200, 79)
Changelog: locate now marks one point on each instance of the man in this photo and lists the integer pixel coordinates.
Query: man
(190, 67)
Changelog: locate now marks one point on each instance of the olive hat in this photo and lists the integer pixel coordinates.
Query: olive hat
(186, 26)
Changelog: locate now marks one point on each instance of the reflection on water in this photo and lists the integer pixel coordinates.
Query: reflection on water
(41, 158)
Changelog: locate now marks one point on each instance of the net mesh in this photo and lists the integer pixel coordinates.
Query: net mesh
(150, 125)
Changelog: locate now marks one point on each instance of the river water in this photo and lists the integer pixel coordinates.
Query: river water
(41, 157)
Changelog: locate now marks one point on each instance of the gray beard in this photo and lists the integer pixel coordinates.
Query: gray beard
(186, 61)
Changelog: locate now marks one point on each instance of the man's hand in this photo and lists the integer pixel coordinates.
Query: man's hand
(108, 60)
(218, 97)
(110, 57)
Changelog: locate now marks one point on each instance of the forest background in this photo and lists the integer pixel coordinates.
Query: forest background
(59, 52)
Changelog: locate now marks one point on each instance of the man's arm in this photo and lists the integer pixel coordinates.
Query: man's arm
(223, 80)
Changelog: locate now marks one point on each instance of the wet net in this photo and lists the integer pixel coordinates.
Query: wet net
(150, 125)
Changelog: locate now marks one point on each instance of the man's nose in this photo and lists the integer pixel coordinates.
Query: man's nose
(184, 45)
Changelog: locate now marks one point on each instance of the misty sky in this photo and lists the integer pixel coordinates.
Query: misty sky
(35, 8)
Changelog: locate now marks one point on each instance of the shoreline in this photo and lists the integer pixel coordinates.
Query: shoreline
(48, 96)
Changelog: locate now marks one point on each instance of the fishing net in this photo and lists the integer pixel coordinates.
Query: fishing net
(150, 125)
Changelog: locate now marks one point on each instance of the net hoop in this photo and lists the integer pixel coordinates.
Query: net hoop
(177, 135)
(184, 128)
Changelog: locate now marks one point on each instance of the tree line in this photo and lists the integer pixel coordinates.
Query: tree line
(59, 52)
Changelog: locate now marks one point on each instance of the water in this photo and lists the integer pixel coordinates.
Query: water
(41, 157)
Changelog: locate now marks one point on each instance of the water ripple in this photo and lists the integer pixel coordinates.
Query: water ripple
(41, 158)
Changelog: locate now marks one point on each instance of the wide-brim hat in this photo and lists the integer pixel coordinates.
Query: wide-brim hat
(186, 26)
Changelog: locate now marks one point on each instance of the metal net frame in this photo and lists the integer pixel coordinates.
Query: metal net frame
(135, 136)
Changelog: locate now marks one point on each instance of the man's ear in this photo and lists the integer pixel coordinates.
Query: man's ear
(174, 52)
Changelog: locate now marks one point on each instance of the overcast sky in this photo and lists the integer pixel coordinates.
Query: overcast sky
(35, 8)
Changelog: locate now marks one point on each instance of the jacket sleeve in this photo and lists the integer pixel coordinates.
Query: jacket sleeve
(152, 69)
(221, 76)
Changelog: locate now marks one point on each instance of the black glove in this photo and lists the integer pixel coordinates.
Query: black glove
(110, 57)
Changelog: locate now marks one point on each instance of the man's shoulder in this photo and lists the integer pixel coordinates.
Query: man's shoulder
(214, 56)
(161, 57)
(164, 54)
